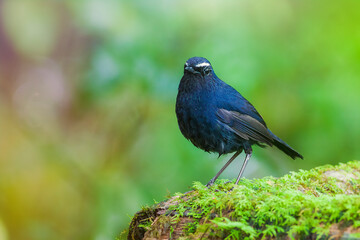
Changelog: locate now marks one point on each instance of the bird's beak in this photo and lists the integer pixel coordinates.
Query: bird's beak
(190, 69)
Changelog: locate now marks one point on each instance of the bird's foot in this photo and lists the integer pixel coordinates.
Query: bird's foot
(210, 183)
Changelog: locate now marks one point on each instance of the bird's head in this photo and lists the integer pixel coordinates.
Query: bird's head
(198, 66)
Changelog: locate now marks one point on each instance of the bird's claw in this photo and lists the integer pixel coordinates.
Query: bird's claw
(210, 183)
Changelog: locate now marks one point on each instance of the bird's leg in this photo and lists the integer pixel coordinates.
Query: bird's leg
(212, 181)
(248, 156)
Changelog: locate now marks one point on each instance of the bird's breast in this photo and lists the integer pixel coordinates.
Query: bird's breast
(198, 122)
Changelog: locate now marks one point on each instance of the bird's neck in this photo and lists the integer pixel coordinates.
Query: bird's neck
(198, 83)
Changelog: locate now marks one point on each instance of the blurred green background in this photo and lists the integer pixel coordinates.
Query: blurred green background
(88, 132)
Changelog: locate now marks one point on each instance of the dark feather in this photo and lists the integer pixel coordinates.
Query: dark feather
(280, 144)
(245, 126)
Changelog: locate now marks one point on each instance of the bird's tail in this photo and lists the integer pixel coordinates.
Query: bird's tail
(280, 144)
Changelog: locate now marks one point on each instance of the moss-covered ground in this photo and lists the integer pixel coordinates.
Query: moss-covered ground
(321, 202)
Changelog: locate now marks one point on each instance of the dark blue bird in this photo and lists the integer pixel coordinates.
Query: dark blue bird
(216, 118)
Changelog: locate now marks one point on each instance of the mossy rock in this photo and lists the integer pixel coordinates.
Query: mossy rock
(322, 203)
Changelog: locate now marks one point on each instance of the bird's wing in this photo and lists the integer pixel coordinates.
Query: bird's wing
(232, 100)
(245, 126)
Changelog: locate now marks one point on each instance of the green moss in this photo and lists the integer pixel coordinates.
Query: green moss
(298, 204)
(141, 222)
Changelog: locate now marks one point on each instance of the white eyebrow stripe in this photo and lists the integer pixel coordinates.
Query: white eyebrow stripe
(203, 64)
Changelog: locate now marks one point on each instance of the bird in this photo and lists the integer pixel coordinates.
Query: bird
(217, 118)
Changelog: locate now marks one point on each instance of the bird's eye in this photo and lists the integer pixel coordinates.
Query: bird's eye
(207, 71)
